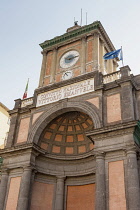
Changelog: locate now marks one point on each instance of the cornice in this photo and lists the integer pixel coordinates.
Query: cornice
(106, 37)
(70, 35)
(95, 27)
(112, 131)
(66, 82)
(21, 148)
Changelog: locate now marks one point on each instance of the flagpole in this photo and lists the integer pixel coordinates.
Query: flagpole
(122, 57)
(26, 89)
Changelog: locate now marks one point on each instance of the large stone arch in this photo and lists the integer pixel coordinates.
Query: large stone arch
(59, 109)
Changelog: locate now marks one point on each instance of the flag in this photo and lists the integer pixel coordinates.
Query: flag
(26, 89)
(114, 54)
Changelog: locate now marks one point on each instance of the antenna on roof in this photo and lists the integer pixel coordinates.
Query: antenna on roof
(86, 18)
(74, 19)
(81, 16)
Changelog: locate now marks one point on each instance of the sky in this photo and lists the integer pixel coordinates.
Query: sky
(26, 24)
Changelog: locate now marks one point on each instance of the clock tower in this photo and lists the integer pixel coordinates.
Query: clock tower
(75, 53)
(75, 144)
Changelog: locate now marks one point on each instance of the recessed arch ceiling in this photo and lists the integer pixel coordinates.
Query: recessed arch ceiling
(65, 135)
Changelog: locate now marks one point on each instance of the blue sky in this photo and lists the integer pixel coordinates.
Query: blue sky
(26, 24)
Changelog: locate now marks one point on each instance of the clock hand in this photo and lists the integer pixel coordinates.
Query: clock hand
(72, 57)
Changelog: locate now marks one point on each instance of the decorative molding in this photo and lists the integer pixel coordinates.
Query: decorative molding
(112, 131)
(78, 34)
(66, 82)
(100, 155)
(19, 148)
(58, 109)
(70, 35)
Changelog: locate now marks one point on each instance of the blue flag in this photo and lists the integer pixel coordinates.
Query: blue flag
(113, 54)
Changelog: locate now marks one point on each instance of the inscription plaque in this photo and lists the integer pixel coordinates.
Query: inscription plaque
(67, 91)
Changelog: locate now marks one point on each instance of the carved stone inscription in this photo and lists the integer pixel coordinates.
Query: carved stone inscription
(68, 91)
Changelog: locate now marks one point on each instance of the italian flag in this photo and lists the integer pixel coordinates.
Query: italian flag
(26, 89)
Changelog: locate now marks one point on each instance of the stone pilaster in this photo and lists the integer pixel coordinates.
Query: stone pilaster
(34, 172)
(107, 67)
(83, 56)
(102, 66)
(127, 102)
(53, 68)
(133, 186)
(17, 103)
(23, 200)
(3, 188)
(100, 202)
(59, 202)
(115, 65)
(43, 69)
(110, 65)
(125, 72)
(13, 126)
(96, 65)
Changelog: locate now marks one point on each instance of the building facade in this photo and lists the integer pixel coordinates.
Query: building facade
(4, 124)
(75, 144)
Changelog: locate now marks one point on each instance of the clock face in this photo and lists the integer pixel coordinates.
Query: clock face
(67, 75)
(69, 59)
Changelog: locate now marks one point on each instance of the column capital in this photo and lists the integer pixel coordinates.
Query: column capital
(102, 41)
(28, 168)
(84, 38)
(100, 155)
(5, 171)
(62, 178)
(55, 49)
(44, 53)
(96, 34)
(130, 150)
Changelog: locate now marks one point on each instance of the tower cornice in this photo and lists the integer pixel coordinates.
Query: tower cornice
(77, 34)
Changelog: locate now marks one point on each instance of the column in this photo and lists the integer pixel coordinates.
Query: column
(110, 65)
(24, 192)
(83, 56)
(96, 52)
(3, 188)
(133, 186)
(53, 68)
(115, 65)
(127, 101)
(102, 65)
(43, 69)
(34, 171)
(13, 126)
(59, 203)
(100, 203)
